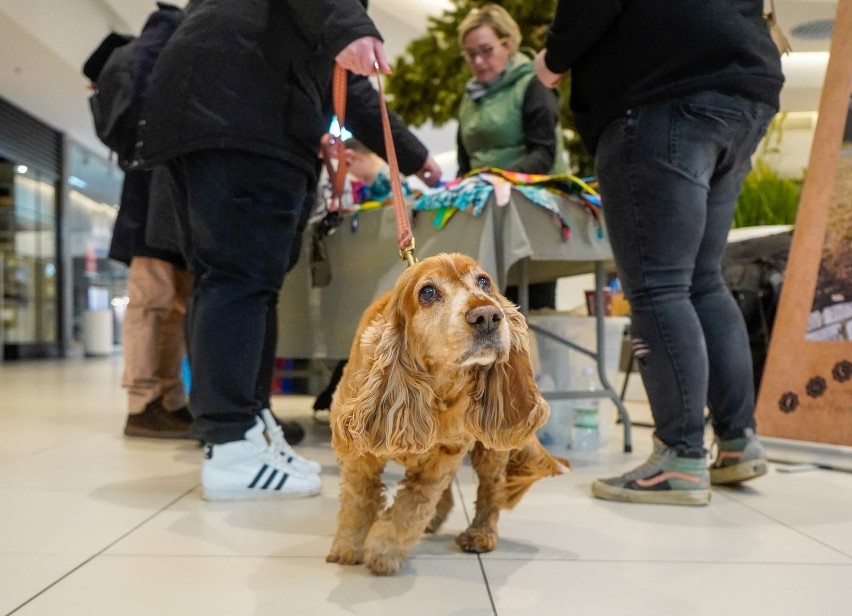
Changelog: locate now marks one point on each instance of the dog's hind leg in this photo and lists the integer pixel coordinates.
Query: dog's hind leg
(361, 499)
(401, 526)
(490, 467)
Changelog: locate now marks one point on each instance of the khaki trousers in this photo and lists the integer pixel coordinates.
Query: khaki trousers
(154, 334)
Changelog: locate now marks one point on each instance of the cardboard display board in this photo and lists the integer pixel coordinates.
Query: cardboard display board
(806, 392)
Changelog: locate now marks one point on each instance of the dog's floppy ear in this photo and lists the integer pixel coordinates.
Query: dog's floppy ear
(385, 406)
(507, 407)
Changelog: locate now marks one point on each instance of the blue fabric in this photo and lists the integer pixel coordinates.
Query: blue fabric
(471, 195)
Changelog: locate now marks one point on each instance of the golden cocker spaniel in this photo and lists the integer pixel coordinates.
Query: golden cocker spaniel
(439, 366)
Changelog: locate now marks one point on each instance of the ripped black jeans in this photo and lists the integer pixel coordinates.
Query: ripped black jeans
(670, 173)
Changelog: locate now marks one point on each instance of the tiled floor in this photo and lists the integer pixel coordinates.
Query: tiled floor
(94, 523)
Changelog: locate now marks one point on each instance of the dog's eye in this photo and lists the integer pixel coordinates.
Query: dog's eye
(484, 283)
(428, 294)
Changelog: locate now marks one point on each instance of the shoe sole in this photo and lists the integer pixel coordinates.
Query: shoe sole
(240, 494)
(695, 498)
(738, 473)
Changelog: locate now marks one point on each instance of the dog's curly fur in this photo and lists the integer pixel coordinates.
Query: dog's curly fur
(439, 366)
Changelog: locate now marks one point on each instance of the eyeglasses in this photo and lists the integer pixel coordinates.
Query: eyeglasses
(485, 52)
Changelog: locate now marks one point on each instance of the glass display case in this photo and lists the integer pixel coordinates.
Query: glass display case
(28, 243)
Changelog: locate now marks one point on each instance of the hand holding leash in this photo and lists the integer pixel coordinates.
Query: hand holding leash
(364, 56)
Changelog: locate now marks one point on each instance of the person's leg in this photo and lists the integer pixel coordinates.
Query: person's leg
(668, 202)
(242, 213)
(323, 400)
(655, 178)
(267, 363)
(151, 293)
(140, 353)
(171, 340)
(292, 431)
(731, 395)
(282, 434)
(657, 168)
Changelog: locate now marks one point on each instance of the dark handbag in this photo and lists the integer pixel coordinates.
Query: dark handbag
(320, 262)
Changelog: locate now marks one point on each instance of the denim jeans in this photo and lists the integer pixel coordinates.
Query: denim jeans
(241, 212)
(670, 173)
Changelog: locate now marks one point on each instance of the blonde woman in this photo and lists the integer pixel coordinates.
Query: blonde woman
(507, 118)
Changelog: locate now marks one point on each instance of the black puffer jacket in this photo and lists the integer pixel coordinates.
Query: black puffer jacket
(255, 75)
(625, 53)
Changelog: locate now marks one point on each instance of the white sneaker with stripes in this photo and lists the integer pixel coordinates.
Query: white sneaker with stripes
(276, 438)
(253, 469)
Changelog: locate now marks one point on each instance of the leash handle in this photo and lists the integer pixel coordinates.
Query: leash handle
(404, 235)
(333, 146)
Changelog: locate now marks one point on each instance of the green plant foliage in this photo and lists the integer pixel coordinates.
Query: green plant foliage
(428, 79)
(766, 197)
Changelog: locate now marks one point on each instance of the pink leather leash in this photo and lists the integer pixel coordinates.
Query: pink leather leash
(404, 235)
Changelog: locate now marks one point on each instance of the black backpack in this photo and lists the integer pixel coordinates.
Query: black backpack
(754, 271)
(120, 67)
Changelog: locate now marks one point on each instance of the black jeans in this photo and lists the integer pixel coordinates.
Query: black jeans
(240, 217)
(670, 174)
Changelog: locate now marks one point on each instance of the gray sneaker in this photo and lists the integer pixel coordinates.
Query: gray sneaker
(739, 459)
(664, 478)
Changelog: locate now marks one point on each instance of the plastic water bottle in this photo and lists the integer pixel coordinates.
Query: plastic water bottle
(587, 430)
(556, 433)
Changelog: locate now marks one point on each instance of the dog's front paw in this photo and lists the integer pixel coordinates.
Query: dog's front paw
(477, 541)
(344, 556)
(384, 564)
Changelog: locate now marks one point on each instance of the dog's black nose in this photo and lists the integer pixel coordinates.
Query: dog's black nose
(484, 319)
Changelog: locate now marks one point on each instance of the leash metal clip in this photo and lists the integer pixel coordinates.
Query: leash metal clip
(407, 254)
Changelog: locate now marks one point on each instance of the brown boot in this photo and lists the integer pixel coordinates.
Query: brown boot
(157, 422)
